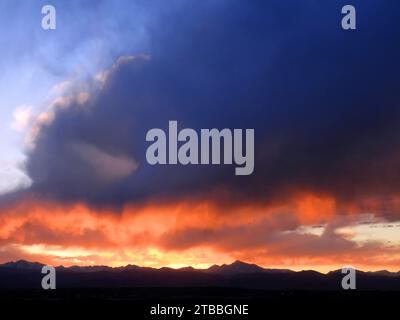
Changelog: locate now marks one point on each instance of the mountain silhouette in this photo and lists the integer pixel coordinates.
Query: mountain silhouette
(22, 265)
(236, 267)
(25, 274)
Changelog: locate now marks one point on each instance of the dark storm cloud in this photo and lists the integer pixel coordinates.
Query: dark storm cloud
(324, 104)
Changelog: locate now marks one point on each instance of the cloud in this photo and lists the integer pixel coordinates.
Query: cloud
(324, 106)
(22, 117)
(13, 178)
(308, 137)
(106, 167)
(187, 233)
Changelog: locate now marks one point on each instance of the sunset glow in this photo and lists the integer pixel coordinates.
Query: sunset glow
(272, 141)
(305, 233)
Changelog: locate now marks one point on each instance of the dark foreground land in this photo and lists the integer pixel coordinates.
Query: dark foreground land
(137, 303)
(133, 292)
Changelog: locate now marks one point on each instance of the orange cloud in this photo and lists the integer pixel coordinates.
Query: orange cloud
(306, 232)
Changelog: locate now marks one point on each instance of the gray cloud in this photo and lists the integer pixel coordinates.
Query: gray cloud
(323, 103)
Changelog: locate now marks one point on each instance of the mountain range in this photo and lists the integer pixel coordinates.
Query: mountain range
(25, 274)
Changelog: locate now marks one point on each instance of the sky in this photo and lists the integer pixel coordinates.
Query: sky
(76, 104)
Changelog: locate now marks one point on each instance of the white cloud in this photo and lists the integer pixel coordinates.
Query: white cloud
(12, 178)
(22, 117)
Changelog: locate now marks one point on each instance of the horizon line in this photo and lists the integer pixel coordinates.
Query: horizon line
(196, 268)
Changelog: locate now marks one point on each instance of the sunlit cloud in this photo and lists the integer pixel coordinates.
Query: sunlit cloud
(22, 117)
(196, 233)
